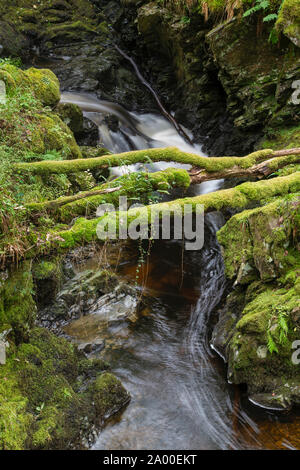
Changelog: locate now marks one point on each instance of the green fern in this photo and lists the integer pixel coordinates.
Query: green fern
(281, 331)
(271, 344)
(265, 5)
(260, 5)
(270, 17)
(283, 327)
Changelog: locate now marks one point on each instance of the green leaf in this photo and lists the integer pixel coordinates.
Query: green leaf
(271, 17)
(271, 344)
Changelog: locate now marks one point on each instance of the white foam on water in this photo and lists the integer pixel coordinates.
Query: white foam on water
(137, 132)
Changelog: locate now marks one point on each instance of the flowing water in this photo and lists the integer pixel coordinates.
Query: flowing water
(180, 396)
(135, 132)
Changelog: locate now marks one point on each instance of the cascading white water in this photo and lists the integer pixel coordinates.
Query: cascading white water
(136, 132)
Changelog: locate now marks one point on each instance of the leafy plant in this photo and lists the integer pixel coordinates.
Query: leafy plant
(50, 155)
(278, 335)
(185, 20)
(16, 61)
(39, 409)
(260, 5)
(271, 343)
(265, 5)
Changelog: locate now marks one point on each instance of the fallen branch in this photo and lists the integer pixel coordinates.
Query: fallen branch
(86, 203)
(170, 154)
(260, 170)
(62, 201)
(85, 231)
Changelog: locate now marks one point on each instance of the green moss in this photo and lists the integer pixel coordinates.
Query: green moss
(57, 21)
(57, 136)
(14, 418)
(17, 307)
(8, 80)
(171, 154)
(282, 138)
(260, 318)
(93, 152)
(261, 238)
(69, 31)
(47, 394)
(71, 115)
(26, 125)
(109, 394)
(289, 20)
(47, 269)
(45, 85)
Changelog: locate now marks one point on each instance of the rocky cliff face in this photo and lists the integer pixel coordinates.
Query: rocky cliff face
(74, 38)
(231, 86)
(260, 321)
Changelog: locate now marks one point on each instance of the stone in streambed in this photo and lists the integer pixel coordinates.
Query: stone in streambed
(95, 346)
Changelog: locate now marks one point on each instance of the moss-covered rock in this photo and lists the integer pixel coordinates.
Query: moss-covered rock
(72, 115)
(93, 152)
(8, 80)
(17, 307)
(261, 239)
(289, 20)
(261, 251)
(13, 43)
(50, 397)
(57, 21)
(27, 126)
(47, 276)
(109, 395)
(45, 85)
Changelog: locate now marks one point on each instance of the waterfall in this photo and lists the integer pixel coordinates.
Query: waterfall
(136, 132)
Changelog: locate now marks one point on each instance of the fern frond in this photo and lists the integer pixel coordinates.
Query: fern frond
(271, 344)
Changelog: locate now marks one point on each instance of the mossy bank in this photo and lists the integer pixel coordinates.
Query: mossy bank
(51, 395)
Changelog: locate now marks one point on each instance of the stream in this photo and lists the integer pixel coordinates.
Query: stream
(180, 396)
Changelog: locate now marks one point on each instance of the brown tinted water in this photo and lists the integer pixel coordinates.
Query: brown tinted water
(180, 397)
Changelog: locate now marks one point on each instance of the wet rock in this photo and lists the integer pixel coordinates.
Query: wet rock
(259, 324)
(47, 276)
(72, 115)
(229, 96)
(109, 395)
(89, 134)
(96, 346)
(271, 401)
(100, 69)
(98, 294)
(228, 317)
(12, 43)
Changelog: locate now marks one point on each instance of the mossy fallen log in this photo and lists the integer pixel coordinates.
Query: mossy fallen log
(204, 168)
(85, 231)
(258, 170)
(170, 154)
(140, 185)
